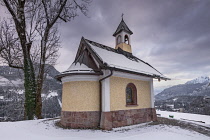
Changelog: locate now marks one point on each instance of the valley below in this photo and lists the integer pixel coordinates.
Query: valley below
(191, 97)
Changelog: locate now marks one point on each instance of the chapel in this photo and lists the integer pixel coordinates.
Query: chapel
(107, 87)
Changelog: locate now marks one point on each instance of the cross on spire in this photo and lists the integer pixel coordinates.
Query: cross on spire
(122, 27)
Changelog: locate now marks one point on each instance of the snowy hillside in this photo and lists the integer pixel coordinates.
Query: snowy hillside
(202, 79)
(191, 97)
(46, 130)
(12, 94)
(196, 87)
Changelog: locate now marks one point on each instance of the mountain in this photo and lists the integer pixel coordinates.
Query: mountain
(196, 87)
(12, 94)
(160, 89)
(191, 97)
(202, 79)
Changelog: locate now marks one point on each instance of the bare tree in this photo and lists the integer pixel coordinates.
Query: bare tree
(35, 21)
(17, 11)
(53, 11)
(10, 46)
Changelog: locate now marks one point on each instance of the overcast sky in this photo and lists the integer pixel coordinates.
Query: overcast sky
(171, 35)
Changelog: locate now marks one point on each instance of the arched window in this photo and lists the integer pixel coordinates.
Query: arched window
(131, 94)
(126, 39)
(119, 39)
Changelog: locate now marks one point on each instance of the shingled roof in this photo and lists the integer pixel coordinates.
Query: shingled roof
(122, 60)
(122, 27)
(108, 58)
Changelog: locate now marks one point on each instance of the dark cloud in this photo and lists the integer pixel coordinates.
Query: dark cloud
(171, 35)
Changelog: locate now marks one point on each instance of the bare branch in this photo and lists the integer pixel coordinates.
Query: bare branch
(13, 66)
(9, 45)
(10, 9)
(33, 39)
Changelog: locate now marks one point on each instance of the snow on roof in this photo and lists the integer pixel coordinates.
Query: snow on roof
(78, 68)
(120, 61)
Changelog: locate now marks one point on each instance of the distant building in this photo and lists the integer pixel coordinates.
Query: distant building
(171, 106)
(108, 87)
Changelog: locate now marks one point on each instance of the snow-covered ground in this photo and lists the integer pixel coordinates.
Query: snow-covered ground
(195, 118)
(46, 130)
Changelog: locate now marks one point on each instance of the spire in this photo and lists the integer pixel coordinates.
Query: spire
(122, 27)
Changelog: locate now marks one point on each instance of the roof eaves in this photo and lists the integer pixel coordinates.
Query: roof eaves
(116, 32)
(139, 73)
(148, 65)
(60, 76)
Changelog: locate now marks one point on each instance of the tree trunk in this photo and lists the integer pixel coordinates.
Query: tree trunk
(40, 80)
(30, 88)
(29, 74)
(40, 77)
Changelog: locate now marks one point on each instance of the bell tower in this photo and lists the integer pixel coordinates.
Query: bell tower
(122, 37)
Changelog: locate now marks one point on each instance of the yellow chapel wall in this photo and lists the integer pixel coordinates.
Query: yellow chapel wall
(118, 93)
(80, 96)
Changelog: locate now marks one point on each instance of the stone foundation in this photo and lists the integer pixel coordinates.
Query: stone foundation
(133, 116)
(109, 120)
(106, 120)
(86, 119)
